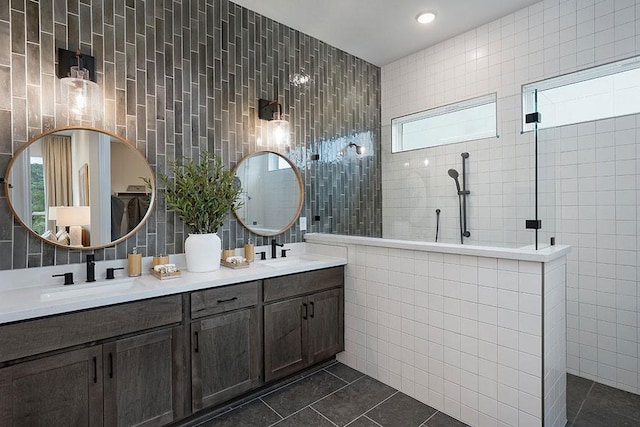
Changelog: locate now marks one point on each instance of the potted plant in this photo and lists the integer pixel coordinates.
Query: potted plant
(201, 194)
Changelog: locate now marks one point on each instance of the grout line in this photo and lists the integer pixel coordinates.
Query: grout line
(372, 420)
(427, 420)
(363, 416)
(322, 415)
(593, 383)
(269, 406)
(379, 403)
(318, 400)
(341, 379)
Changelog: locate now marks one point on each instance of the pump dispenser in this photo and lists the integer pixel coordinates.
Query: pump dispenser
(248, 251)
(134, 263)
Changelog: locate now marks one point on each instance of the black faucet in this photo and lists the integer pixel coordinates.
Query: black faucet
(68, 278)
(91, 268)
(110, 271)
(273, 247)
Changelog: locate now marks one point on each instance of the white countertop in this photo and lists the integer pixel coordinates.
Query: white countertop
(21, 301)
(527, 253)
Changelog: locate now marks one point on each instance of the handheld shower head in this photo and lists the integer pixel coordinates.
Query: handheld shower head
(454, 174)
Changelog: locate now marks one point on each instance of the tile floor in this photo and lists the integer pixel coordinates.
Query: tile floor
(337, 395)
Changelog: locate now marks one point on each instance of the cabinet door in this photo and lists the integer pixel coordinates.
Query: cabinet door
(142, 385)
(225, 357)
(61, 390)
(285, 337)
(326, 325)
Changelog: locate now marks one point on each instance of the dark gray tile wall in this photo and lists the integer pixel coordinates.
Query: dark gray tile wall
(180, 77)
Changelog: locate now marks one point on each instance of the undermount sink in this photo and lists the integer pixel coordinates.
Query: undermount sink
(84, 289)
(286, 262)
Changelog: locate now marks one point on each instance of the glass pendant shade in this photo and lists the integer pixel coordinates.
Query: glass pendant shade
(82, 96)
(278, 132)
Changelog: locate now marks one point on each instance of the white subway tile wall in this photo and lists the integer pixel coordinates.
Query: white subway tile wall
(460, 333)
(555, 342)
(590, 185)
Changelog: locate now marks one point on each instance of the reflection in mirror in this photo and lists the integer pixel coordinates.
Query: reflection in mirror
(80, 187)
(272, 193)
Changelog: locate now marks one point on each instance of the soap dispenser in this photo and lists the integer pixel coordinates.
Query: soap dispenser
(134, 263)
(248, 251)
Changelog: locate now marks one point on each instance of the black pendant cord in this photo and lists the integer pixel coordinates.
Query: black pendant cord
(437, 223)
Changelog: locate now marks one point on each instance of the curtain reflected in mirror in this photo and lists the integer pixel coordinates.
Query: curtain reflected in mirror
(80, 187)
(56, 160)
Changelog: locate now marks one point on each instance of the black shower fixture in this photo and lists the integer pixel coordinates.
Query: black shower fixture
(359, 148)
(462, 196)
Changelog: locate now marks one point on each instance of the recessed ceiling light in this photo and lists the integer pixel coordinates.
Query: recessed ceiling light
(425, 17)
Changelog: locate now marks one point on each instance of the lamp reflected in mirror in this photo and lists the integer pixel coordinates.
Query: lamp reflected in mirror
(101, 204)
(74, 218)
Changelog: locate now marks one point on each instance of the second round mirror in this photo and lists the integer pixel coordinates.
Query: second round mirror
(272, 193)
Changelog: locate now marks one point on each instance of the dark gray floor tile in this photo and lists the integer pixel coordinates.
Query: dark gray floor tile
(363, 421)
(615, 400)
(296, 396)
(343, 371)
(595, 414)
(255, 414)
(443, 420)
(577, 390)
(401, 410)
(349, 403)
(306, 417)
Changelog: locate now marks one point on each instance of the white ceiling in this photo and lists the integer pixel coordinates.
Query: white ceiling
(381, 31)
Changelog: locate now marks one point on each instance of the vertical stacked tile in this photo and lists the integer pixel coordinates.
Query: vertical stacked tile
(180, 77)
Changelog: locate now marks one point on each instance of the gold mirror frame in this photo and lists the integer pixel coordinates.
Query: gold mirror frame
(298, 176)
(8, 187)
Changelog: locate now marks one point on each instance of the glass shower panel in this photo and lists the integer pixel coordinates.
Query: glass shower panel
(546, 175)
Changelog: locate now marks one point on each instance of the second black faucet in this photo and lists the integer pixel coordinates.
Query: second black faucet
(273, 247)
(91, 268)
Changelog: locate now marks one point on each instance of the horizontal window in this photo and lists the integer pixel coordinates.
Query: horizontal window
(463, 121)
(601, 92)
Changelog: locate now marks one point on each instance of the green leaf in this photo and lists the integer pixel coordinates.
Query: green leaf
(201, 194)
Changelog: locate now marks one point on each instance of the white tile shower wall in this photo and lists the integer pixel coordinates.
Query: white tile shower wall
(460, 333)
(589, 170)
(555, 343)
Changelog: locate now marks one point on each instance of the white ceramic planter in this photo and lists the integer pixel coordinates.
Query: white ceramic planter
(202, 252)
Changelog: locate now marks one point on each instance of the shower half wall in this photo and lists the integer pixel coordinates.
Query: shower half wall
(475, 332)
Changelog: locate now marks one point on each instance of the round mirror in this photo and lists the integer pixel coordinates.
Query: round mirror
(80, 187)
(272, 193)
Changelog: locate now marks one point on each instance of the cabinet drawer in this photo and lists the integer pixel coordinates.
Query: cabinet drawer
(52, 333)
(302, 283)
(226, 298)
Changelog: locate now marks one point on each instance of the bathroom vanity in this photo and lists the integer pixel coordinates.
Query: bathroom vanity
(157, 358)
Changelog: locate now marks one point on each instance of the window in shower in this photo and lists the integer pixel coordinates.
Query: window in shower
(601, 92)
(463, 121)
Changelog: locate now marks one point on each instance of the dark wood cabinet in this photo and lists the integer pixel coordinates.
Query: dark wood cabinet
(143, 379)
(302, 330)
(285, 338)
(226, 349)
(326, 325)
(153, 362)
(61, 390)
